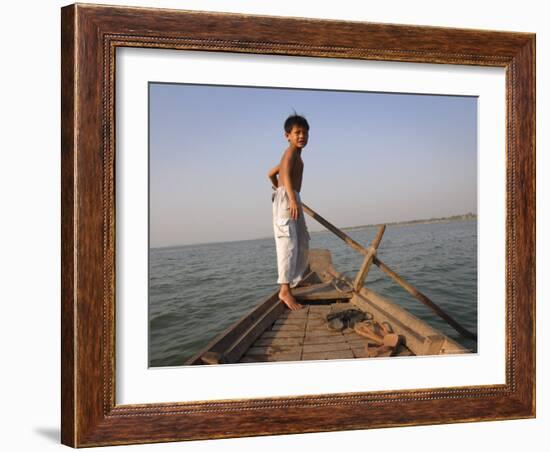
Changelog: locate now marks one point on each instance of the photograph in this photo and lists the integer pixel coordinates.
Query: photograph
(292, 224)
(288, 224)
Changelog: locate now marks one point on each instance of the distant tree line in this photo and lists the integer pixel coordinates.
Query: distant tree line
(466, 216)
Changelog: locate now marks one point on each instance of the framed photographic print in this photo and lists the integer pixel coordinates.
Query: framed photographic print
(268, 233)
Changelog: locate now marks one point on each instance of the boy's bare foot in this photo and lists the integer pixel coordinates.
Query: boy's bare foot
(287, 298)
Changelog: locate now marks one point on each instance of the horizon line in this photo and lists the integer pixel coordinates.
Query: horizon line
(393, 223)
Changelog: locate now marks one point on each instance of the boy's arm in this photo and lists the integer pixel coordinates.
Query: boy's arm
(272, 175)
(287, 163)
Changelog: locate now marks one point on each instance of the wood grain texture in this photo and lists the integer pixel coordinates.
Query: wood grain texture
(90, 36)
(68, 243)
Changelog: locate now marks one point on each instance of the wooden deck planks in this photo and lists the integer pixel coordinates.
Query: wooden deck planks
(281, 341)
(317, 348)
(289, 327)
(272, 349)
(329, 339)
(304, 335)
(341, 354)
(282, 334)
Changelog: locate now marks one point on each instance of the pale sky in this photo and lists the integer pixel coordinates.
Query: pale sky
(371, 158)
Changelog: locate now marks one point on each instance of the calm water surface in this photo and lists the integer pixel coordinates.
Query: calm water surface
(197, 291)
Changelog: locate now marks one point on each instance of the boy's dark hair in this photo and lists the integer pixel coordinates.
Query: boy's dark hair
(295, 120)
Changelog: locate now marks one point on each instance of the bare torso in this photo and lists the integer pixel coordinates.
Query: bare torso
(296, 172)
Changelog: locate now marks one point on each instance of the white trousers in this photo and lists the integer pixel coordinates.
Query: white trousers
(291, 240)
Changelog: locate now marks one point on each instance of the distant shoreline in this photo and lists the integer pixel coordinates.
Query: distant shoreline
(464, 217)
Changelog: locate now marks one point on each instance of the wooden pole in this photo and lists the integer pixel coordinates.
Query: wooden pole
(408, 287)
(367, 262)
(346, 238)
(423, 299)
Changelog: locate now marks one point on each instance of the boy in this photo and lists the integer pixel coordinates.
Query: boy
(289, 226)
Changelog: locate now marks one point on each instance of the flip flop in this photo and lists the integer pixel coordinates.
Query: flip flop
(354, 317)
(386, 327)
(382, 351)
(336, 324)
(366, 329)
(345, 319)
(391, 340)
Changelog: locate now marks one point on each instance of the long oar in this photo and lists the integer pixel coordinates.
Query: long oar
(398, 279)
(424, 299)
(346, 238)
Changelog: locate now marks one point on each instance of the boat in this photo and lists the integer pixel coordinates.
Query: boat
(271, 332)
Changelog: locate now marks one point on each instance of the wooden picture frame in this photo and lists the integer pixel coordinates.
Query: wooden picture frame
(90, 35)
